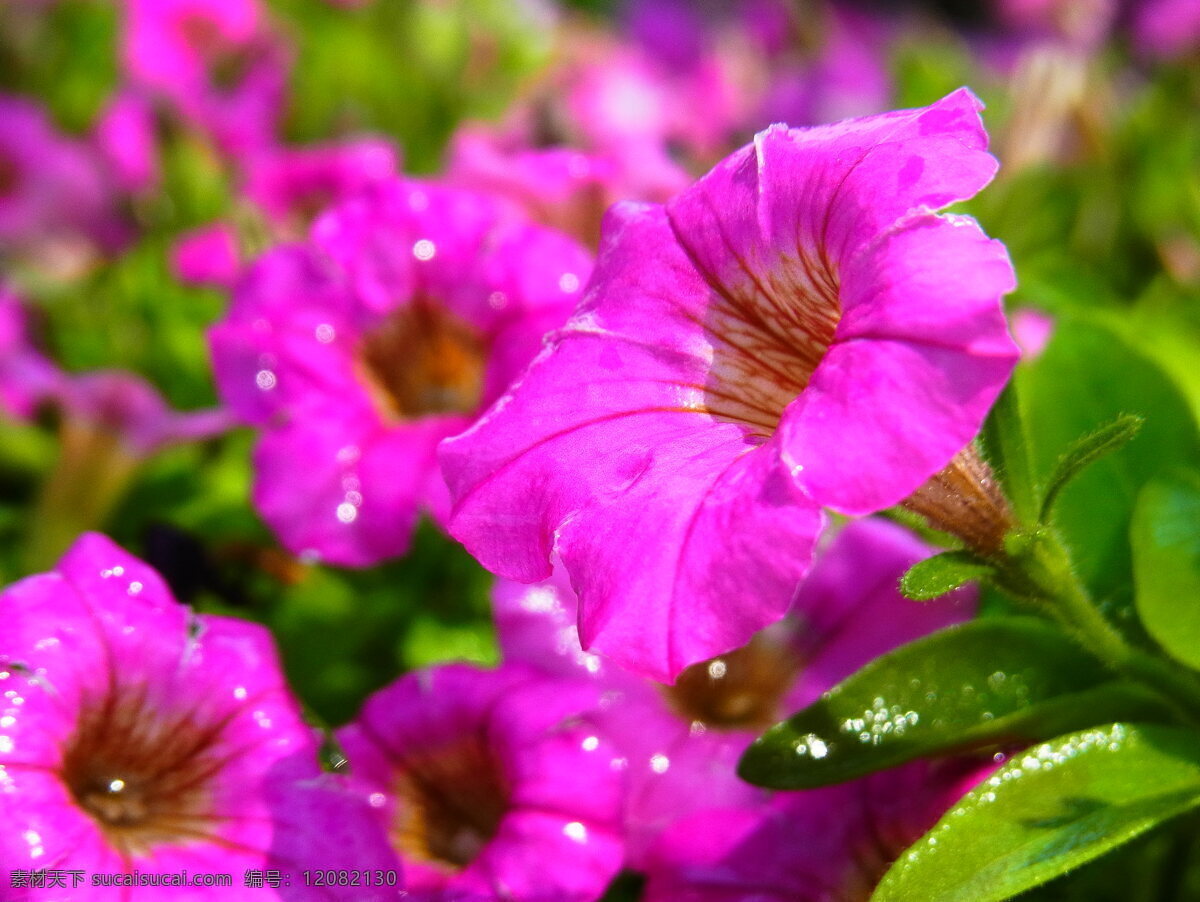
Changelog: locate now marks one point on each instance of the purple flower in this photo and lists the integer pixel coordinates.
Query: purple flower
(207, 256)
(124, 406)
(562, 187)
(1167, 29)
(27, 377)
(408, 313)
(797, 330)
(292, 185)
(136, 736)
(125, 137)
(54, 205)
(820, 845)
(847, 612)
(215, 61)
(490, 784)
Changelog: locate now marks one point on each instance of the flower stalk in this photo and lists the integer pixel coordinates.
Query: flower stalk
(1036, 566)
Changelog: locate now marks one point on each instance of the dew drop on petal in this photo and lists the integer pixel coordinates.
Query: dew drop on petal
(347, 512)
(576, 831)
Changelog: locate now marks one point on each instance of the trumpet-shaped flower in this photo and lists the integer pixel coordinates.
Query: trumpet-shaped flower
(408, 313)
(137, 737)
(491, 784)
(797, 330)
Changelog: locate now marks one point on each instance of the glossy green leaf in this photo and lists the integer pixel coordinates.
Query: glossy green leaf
(984, 683)
(1165, 535)
(942, 573)
(1085, 451)
(1050, 809)
(1088, 375)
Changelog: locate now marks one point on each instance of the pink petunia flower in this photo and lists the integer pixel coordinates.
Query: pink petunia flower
(55, 206)
(292, 185)
(27, 377)
(136, 737)
(819, 845)
(491, 784)
(125, 137)
(674, 738)
(1166, 29)
(215, 61)
(798, 330)
(208, 255)
(409, 312)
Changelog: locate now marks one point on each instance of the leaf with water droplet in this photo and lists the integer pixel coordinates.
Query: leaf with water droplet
(1048, 810)
(989, 683)
(1166, 564)
(942, 573)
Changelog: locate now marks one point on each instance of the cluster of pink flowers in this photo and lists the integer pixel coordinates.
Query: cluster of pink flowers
(654, 370)
(139, 738)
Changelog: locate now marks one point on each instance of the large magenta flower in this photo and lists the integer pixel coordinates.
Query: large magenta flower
(491, 784)
(135, 736)
(796, 330)
(409, 312)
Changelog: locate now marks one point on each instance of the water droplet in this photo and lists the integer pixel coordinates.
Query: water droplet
(265, 380)
(347, 512)
(575, 831)
(716, 669)
(591, 743)
(569, 282)
(660, 763)
(325, 333)
(424, 249)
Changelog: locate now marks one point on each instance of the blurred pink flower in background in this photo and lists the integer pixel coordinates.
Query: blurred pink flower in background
(216, 62)
(55, 205)
(208, 255)
(138, 736)
(411, 309)
(27, 376)
(291, 185)
(676, 738)
(125, 136)
(492, 785)
(820, 845)
(797, 330)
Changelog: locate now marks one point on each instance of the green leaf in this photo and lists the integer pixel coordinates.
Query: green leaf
(1048, 810)
(942, 573)
(1166, 564)
(984, 683)
(1007, 450)
(1086, 451)
(1087, 375)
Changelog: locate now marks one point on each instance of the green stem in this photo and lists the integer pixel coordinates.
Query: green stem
(87, 482)
(1038, 567)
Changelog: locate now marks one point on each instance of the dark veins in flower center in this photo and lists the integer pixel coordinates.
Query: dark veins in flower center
(741, 690)
(451, 802)
(421, 360)
(143, 774)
